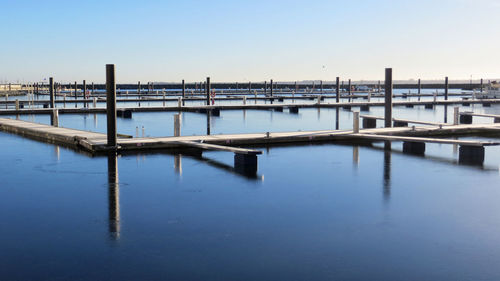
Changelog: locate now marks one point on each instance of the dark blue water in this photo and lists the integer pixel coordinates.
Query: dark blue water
(314, 212)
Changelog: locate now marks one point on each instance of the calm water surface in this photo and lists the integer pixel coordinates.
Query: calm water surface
(315, 212)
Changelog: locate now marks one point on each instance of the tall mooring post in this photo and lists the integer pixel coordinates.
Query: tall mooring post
(139, 87)
(76, 92)
(350, 88)
(481, 85)
(84, 96)
(419, 87)
(207, 86)
(51, 92)
(337, 90)
(446, 88)
(271, 87)
(183, 91)
(111, 104)
(265, 88)
(388, 97)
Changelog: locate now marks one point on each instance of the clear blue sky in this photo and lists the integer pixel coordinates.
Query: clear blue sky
(249, 40)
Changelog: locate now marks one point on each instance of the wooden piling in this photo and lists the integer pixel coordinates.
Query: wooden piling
(446, 88)
(51, 92)
(456, 114)
(111, 104)
(355, 122)
(138, 87)
(177, 125)
(183, 91)
(208, 90)
(271, 92)
(388, 97)
(337, 90)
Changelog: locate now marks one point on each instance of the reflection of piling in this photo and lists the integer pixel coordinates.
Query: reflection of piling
(178, 163)
(113, 197)
(355, 155)
(337, 116)
(387, 174)
(209, 113)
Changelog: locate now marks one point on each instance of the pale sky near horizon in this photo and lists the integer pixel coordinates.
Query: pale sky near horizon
(249, 40)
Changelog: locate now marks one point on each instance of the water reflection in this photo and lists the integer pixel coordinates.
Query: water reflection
(113, 197)
(355, 155)
(337, 114)
(208, 122)
(178, 164)
(445, 113)
(387, 175)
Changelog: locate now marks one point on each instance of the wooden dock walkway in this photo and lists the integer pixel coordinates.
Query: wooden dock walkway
(97, 142)
(269, 106)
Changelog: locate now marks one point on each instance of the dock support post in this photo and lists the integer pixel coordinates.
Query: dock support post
(51, 92)
(481, 85)
(94, 102)
(244, 100)
(446, 88)
(177, 125)
(245, 164)
(111, 105)
(17, 104)
(415, 148)
(472, 155)
(355, 122)
(400, 124)
(465, 118)
(207, 87)
(369, 123)
(456, 114)
(138, 88)
(265, 88)
(180, 101)
(54, 120)
(337, 90)
(388, 97)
